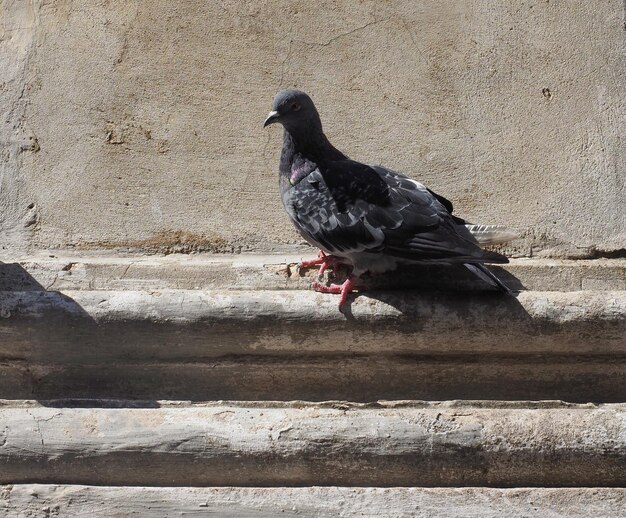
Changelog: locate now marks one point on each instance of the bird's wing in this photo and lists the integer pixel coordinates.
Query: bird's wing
(348, 207)
(441, 242)
(331, 212)
(444, 201)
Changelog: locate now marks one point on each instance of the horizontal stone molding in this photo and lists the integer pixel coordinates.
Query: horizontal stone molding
(191, 325)
(387, 444)
(96, 324)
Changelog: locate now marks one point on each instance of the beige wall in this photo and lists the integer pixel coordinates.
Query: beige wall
(138, 123)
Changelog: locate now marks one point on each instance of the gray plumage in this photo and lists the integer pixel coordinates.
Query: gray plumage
(369, 217)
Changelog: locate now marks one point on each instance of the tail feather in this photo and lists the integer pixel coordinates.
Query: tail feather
(482, 272)
(489, 256)
(491, 234)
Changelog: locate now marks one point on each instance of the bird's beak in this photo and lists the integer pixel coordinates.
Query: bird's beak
(272, 117)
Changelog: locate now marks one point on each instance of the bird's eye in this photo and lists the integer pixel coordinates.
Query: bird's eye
(295, 107)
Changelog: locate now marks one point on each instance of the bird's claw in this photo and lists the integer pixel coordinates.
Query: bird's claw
(344, 289)
(324, 261)
(321, 258)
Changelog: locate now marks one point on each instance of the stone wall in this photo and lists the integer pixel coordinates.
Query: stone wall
(138, 124)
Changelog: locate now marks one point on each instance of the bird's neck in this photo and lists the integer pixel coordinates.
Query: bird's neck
(307, 144)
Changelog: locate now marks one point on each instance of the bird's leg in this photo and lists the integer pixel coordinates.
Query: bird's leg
(322, 269)
(344, 289)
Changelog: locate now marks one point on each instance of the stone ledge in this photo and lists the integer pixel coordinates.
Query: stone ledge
(236, 502)
(107, 271)
(294, 344)
(86, 326)
(299, 444)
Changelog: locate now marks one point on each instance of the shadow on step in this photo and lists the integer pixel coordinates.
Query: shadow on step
(359, 378)
(24, 299)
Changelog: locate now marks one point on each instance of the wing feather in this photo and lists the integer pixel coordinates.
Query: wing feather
(345, 207)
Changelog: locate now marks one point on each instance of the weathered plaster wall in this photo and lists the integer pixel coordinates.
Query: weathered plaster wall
(138, 123)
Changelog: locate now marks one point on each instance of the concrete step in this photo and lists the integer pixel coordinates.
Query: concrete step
(301, 444)
(241, 502)
(153, 330)
(291, 344)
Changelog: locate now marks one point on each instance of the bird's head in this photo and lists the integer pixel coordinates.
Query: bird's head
(293, 109)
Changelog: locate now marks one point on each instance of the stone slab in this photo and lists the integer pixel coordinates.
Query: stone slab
(87, 326)
(139, 344)
(300, 444)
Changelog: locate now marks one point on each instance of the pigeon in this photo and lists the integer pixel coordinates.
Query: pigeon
(367, 217)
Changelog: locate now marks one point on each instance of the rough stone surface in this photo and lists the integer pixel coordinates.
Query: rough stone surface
(106, 271)
(82, 326)
(238, 502)
(138, 124)
(291, 344)
(386, 444)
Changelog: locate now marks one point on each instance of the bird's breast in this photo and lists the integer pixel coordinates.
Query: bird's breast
(300, 170)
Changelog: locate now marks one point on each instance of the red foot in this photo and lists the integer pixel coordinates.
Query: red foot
(323, 260)
(345, 289)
